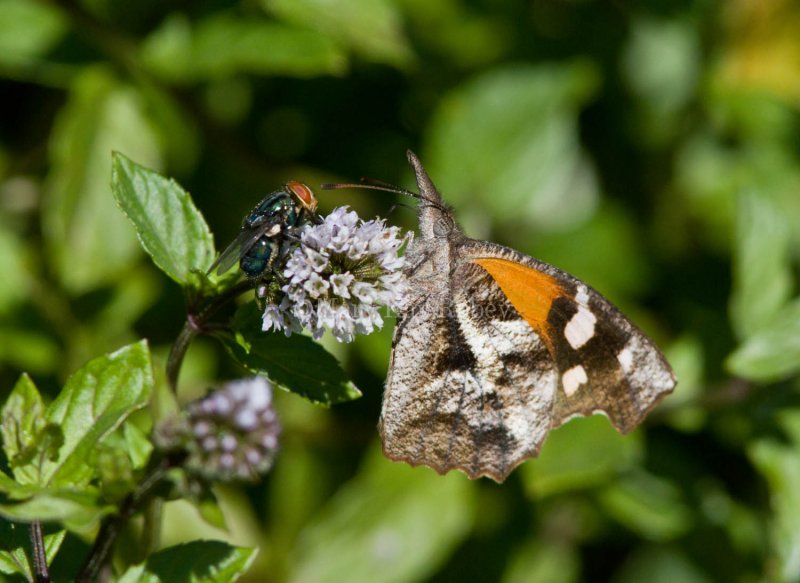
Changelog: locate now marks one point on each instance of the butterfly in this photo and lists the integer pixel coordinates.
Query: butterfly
(494, 349)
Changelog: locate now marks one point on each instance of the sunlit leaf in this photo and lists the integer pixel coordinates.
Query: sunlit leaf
(28, 30)
(169, 226)
(22, 422)
(650, 506)
(773, 352)
(348, 21)
(583, 453)
(391, 523)
(95, 400)
(762, 267)
(508, 141)
(224, 45)
(89, 242)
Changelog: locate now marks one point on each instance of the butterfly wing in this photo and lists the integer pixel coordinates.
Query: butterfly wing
(486, 361)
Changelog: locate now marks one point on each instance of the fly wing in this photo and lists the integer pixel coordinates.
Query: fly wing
(233, 252)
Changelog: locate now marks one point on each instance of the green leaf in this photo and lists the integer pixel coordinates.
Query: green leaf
(392, 523)
(223, 45)
(347, 20)
(779, 462)
(650, 506)
(29, 350)
(93, 403)
(762, 265)
(773, 352)
(22, 422)
(584, 453)
(139, 447)
(59, 505)
(194, 562)
(88, 240)
(28, 30)
(296, 363)
(507, 141)
(540, 560)
(660, 564)
(15, 541)
(15, 282)
(171, 229)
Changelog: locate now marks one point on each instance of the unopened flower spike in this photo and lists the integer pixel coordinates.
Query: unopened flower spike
(231, 434)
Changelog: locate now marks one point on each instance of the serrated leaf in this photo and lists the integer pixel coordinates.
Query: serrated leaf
(508, 141)
(762, 265)
(773, 352)
(15, 540)
(88, 240)
(22, 421)
(296, 363)
(194, 562)
(93, 403)
(584, 453)
(171, 229)
(223, 45)
(347, 20)
(392, 523)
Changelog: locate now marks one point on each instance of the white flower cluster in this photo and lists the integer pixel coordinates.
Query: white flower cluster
(231, 434)
(339, 276)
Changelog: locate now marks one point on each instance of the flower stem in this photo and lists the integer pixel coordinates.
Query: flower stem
(195, 324)
(41, 573)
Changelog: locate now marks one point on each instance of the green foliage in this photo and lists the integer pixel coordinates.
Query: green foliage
(195, 562)
(171, 229)
(651, 151)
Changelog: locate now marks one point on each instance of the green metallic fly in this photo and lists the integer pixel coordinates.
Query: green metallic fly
(266, 228)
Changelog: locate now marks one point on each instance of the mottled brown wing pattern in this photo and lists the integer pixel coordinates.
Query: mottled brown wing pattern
(477, 403)
(473, 387)
(605, 363)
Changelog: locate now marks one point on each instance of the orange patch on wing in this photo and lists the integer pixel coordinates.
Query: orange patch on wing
(531, 292)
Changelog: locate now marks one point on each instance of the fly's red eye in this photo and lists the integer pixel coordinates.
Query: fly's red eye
(303, 192)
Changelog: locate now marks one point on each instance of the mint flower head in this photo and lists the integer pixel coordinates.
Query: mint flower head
(230, 434)
(338, 278)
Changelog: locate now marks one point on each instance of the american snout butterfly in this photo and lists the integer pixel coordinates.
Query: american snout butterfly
(494, 349)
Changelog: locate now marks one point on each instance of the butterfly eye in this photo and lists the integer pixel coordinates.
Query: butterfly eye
(442, 227)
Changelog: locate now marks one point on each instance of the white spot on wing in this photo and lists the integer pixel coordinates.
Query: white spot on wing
(582, 297)
(573, 379)
(625, 358)
(580, 329)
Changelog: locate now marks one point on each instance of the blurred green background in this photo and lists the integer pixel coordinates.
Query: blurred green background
(650, 148)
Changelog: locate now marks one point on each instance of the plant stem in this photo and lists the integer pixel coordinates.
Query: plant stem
(41, 573)
(113, 525)
(195, 324)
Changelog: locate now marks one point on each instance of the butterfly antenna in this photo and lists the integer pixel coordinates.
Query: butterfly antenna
(370, 184)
